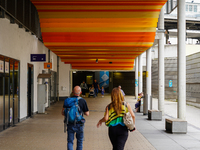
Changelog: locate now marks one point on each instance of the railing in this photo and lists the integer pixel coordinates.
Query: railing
(170, 6)
(23, 13)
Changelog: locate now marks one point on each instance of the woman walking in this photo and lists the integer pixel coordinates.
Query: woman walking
(118, 132)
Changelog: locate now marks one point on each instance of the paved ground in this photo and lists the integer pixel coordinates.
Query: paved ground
(46, 131)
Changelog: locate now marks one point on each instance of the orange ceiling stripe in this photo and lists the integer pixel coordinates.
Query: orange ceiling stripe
(96, 39)
(108, 29)
(136, 44)
(99, 60)
(87, 14)
(108, 34)
(97, 20)
(102, 25)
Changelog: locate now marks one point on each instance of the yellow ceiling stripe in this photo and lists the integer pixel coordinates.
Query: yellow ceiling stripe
(99, 14)
(98, 20)
(138, 29)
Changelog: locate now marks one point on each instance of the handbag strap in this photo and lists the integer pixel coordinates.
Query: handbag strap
(125, 105)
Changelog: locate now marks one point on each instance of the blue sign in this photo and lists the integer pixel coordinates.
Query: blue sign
(136, 82)
(104, 79)
(170, 83)
(38, 57)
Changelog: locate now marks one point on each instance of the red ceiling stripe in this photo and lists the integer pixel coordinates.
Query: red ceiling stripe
(99, 3)
(102, 10)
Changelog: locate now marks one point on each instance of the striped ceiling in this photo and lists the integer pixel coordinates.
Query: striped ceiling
(113, 31)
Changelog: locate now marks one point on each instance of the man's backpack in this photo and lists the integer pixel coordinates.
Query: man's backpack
(72, 111)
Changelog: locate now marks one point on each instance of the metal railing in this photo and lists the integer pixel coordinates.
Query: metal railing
(23, 13)
(170, 6)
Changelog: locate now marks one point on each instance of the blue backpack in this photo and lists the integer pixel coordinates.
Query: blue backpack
(72, 111)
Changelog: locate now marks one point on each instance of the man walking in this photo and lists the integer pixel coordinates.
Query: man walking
(96, 87)
(77, 127)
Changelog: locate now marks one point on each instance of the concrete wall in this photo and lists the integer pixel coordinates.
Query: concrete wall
(170, 74)
(171, 50)
(192, 73)
(18, 44)
(64, 79)
(193, 78)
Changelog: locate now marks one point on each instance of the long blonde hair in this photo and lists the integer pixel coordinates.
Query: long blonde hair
(116, 100)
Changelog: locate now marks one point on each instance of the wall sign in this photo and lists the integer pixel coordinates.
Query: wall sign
(38, 57)
(136, 82)
(6, 67)
(47, 65)
(170, 83)
(1, 66)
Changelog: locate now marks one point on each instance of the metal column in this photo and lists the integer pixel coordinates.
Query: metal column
(58, 59)
(161, 64)
(136, 78)
(147, 103)
(181, 60)
(49, 82)
(140, 72)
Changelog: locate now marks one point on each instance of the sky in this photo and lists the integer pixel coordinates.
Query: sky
(195, 1)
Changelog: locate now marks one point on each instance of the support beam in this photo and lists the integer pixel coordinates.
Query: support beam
(58, 66)
(161, 64)
(140, 72)
(181, 61)
(148, 104)
(136, 78)
(49, 84)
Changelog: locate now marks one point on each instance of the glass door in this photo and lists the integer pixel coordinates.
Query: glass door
(16, 91)
(1, 102)
(29, 89)
(7, 94)
(11, 92)
(2, 95)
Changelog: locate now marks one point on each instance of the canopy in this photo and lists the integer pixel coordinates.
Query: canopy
(98, 35)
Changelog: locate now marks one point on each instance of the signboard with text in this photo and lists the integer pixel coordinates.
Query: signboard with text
(38, 57)
(47, 65)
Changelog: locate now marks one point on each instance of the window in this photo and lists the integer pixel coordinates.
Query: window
(186, 7)
(195, 8)
(190, 7)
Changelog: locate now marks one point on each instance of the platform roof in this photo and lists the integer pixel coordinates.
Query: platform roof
(98, 35)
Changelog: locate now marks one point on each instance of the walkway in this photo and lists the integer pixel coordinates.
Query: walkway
(46, 132)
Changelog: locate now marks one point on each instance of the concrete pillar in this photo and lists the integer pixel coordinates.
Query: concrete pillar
(136, 77)
(140, 72)
(161, 64)
(148, 78)
(181, 61)
(146, 103)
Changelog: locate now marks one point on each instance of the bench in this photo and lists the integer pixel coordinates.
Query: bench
(154, 115)
(176, 125)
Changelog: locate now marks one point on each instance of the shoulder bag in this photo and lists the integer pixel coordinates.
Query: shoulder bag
(128, 120)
